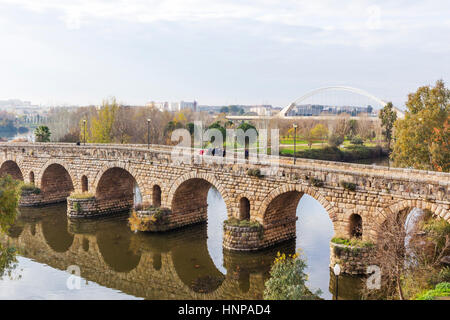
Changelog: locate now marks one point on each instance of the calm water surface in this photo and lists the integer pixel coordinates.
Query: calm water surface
(189, 263)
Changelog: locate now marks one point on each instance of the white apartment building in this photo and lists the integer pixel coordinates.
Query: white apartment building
(262, 110)
(173, 106)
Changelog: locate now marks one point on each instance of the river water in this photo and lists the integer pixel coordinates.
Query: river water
(115, 263)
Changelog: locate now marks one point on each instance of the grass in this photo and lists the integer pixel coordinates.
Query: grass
(242, 223)
(31, 188)
(81, 195)
(353, 242)
(441, 290)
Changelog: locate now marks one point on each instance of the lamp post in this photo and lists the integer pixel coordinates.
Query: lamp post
(148, 133)
(84, 135)
(295, 137)
(337, 271)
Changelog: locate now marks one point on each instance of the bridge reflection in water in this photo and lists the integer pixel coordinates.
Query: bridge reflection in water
(173, 265)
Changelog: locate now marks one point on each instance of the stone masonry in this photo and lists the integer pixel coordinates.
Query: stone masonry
(110, 172)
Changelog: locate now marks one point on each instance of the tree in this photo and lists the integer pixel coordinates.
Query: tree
(319, 132)
(102, 125)
(288, 280)
(409, 248)
(190, 126)
(246, 126)
(218, 126)
(306, 129)
(388, 117)
(42, 134)
(335, 140)
(422, 137)
(353, 128)
(9, 200)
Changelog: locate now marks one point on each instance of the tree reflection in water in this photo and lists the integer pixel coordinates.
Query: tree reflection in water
(9, 199)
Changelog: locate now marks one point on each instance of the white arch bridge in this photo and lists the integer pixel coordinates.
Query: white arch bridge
(283, 114)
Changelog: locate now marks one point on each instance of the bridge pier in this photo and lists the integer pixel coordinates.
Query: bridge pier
(91, 207)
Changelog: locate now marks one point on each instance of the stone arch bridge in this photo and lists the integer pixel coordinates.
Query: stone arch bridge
(356, 197)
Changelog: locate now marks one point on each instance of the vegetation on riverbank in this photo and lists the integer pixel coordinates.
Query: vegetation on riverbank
(415, 266)
(288, 280)
(441, 290)
(9, 201)
(348, 154)
(422, 138)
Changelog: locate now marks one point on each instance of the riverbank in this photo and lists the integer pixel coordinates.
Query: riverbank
(348, 154)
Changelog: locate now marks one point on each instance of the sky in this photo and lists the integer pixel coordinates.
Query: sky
(218, 52)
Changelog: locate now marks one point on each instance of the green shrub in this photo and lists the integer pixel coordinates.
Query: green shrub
(348, 185)
(242, 223)
(348, 154)
(30, 188)
(437, 231)
(441, 290)
(77, 207)
(357, 140)
(288, 280)
(353, 242)
(335, 140)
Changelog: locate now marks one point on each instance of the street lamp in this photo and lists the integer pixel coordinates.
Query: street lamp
(148, 133)
(84, 135)
(337, 272)
(295, 136)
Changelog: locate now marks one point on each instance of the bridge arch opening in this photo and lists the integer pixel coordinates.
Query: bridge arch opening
(297, 214)
(11, 168)
(156, 196)
(84, 184)
(56, 183)
(355, 226)
(244, 209)
(117, 189)
(31, 177)
(202, 200)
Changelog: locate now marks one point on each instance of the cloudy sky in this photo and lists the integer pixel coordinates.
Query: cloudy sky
(218, 52)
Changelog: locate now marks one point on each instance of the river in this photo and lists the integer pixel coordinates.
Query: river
(189, 263)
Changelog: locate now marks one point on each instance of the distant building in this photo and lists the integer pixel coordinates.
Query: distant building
(317, 110)
(263, 110)
(173, 106)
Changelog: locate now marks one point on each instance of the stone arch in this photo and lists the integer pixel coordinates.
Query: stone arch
(56, 182)
(205, 181)
(125, 166)
(295, 188)
(278, 212)
(62, 163)
(437, 210)
(116, 185)
(12, 168)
